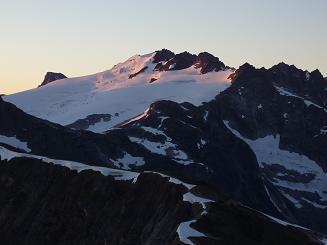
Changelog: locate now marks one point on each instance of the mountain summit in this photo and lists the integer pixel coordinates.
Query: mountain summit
(167, 60)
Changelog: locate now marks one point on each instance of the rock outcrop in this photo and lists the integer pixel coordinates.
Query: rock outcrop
(51, 77)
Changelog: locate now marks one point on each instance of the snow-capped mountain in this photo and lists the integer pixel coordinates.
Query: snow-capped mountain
(103, 100)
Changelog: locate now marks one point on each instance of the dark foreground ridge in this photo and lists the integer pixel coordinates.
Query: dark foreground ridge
(41, 203)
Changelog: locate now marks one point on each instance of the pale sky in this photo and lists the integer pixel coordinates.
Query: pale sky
(80, 37)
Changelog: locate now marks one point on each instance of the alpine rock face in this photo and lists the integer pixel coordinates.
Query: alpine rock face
(224, 155)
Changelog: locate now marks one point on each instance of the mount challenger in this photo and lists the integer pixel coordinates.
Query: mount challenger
(101, 101)
(242, 146)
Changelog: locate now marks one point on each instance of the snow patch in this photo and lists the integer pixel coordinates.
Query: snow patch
(272, 201)
(173, 180)
(185, 231)
(279, 221)
(166, 149)
(205, 117)
(201, 143)
(191, 198)
(162, 120)
(13, 141)
(184, 108)
(314, 204)
(172, 66)
(292, 200)
(143, 115)
(307, 76)
(324, 241)
(128, 160)
(284, 223)
(308, 103)
(116, 173)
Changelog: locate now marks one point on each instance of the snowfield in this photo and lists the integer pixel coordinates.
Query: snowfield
(114, 92)
(268, 152)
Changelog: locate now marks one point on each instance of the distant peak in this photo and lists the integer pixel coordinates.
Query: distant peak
(244, 70)
(206, 54)
(293, 71)
(52, 76)
(246, 66)
(283, 67)
(317, 74)
(208, 63)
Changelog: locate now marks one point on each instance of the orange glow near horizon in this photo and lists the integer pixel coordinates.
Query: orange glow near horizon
(90, 37)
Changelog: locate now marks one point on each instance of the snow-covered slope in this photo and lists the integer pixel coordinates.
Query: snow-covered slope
(120, 93)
